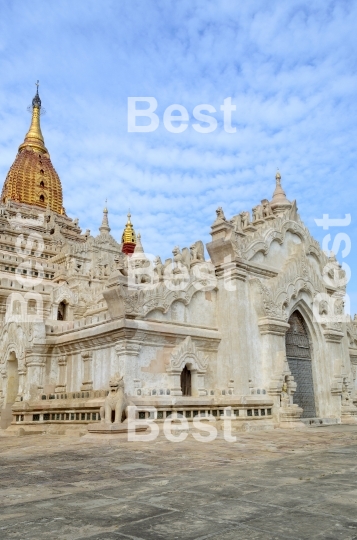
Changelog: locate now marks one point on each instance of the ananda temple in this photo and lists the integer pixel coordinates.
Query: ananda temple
(251, 325)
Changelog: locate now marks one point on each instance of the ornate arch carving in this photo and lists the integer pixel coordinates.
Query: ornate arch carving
(13, 339)
(63, 292)
(261, 239)
(297, 275)
(141, 302)
(185, 353)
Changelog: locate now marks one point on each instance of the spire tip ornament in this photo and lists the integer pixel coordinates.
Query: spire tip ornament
(34, 138)
(279, 202)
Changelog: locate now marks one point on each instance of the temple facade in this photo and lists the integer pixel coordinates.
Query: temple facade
(250, 326)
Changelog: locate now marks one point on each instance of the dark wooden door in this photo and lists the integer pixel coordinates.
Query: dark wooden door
(299, 359)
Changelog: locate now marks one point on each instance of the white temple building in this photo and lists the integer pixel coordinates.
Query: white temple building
(253, 326)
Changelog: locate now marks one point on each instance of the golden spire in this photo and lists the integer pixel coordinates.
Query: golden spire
(34, 137)
(32, 178)
(129, 233)
(128, 238)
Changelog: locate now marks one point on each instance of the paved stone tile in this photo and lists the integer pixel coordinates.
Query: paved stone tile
(175, 526)
(337, 507)
(268, 485)
(246, 533)
(106, 536)
(305, 525)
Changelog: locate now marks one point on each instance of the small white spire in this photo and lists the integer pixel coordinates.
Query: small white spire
(139, 247)
(105, 223)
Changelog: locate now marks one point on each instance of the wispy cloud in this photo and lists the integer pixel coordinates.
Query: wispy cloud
(290, 68)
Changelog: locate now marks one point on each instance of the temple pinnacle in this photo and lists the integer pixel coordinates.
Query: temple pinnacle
(105, 223)
(279, 202)
(32, 178)
(34, 138)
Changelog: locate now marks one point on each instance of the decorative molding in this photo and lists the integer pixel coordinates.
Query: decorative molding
(296, 276)
(139, 302)
(276, 384)
(260, 240)
(333, 336)
(127, 347)
(274, 326)
(63, 292)
(269, 308)
(62, 360)
(184, 352)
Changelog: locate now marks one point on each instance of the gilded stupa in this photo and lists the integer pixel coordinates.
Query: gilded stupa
(32, 178)
(128, 237)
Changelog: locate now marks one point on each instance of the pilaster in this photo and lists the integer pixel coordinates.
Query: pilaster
(127, 351)
(87, 359)
(62, 374)
(35, 366)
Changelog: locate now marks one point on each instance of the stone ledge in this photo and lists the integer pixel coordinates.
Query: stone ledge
(103, 428)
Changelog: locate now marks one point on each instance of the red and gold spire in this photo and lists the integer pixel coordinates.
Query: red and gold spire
(128, 237)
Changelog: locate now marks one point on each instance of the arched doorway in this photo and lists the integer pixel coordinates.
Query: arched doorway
(299, 359)
(62, 311)
(186, 382)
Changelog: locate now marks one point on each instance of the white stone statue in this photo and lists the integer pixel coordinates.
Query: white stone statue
(121, 263)
(197, 252)
(237, 222)
(220, 213)
(257, 212)
(267, 211)
(158, 268)
(180, 260)
(115, 401)
(245, 217)
(284, 396)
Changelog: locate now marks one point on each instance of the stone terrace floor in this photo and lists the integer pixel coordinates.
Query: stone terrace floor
(281, 484)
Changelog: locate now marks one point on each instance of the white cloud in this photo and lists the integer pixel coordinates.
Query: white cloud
(290, 69)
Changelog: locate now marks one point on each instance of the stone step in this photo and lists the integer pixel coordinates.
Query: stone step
(316, 422)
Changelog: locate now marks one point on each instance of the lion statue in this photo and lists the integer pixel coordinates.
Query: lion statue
(116, 401)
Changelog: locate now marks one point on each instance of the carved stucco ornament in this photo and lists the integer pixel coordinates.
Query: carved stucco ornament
(187, 352)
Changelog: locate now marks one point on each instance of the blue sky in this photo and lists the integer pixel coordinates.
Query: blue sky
(290, 68)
